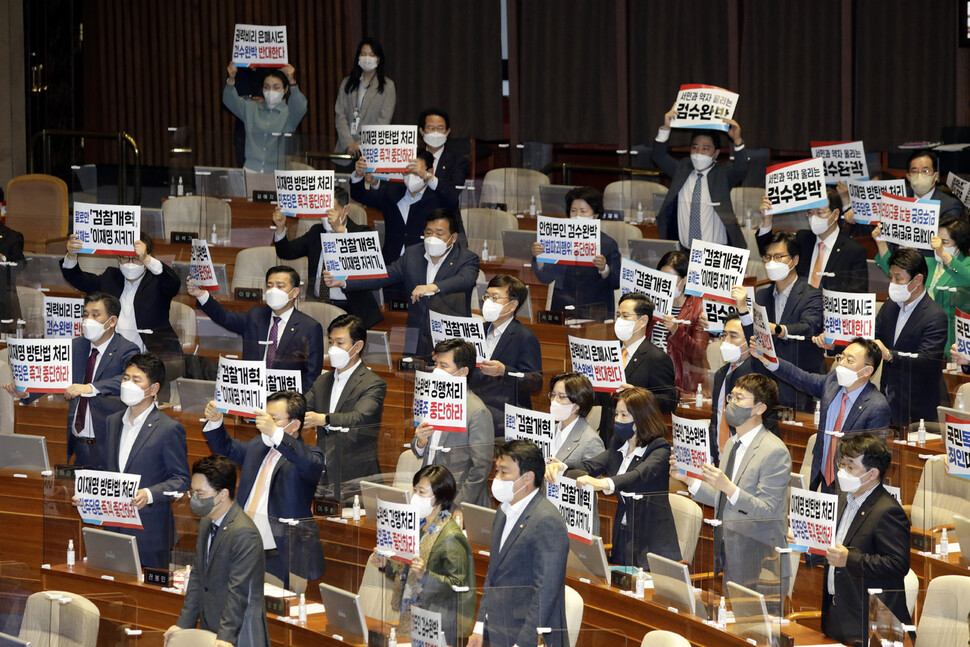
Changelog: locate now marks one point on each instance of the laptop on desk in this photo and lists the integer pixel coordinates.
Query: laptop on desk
(112, 551)
(23, 452)
(345, 616)
(370, 492)
(671, 581)
(517, 244)
(589, 559)
(478, 522)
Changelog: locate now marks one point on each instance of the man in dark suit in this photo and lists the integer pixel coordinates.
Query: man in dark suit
(513, 371)
(698, 204)
(142, 440)
(97, 363)
(849, 402)
(450, 169)
(437, 275)
(310, 244)
(923, 172)
(524, 587)
(279, 476)
(794, 308)
(346, 405)
(225, 593)
(871, 547)
(911, 323)
(277, 332)
(12, 253)
(827, 258)
(405, 206)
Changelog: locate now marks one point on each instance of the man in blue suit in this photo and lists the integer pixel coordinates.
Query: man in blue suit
(279, 476)
(97, 362)
(277, 332)
(142, 440)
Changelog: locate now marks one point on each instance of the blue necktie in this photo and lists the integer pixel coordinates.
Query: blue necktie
(695, 211)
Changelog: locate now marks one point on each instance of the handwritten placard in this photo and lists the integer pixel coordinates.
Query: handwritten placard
(107, 228)
(658, 286)
(843, 160)
(62, 317)
(568, 241)
(398, 530)
(796, 186)
(259, 46)
(526, 424)
(240, 386)
(441, 401)
(714, 270)
(957, 442)
(762, 332)
(388, 149)
(813, 517)
(847, 315)
(40, 365)
(909, 222)
(692, 445)
(575, 504)
(704, 107)
(107, 498)
(202, 272)
(353, 255)
(305, 194)
(960, 188)
(598, 360)
(865, 198)
(471, 329)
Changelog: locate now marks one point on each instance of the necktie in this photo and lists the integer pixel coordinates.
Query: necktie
(695, 211)
(213, 529)
(833, 442)
(82, 404)
(271, 350)
(623, 356)
(723, 431)
(816, 276)
(262, 482)
(722, 503)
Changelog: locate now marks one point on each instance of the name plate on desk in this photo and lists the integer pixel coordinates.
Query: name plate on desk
(613, 215)
(412, 364)
(64, 472)
(326, 508)
(264, 196)
(248, 294)
(399, 305)
(279, 606)
(555, 317)
(183, 237)
(158, 576)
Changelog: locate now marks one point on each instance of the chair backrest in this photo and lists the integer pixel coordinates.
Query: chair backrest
(714, 359)
(513, 187)
(574, 614)
(192, 638)
(911, 586)
(407, 466)
(61, 618)
(745, 200)
(688, 518)
(549, 290)
(963, 393)
(375, 595)
(324, 313)
(95, 263)
(182, 318)
(806, 467)
(488, 224)
(943, 622)
(627, 194)
(594, 416)
(31, 311)
(661, 638)
(251, 266)
(939, 496)
(37, 207)
(196, 213)
(622, 233)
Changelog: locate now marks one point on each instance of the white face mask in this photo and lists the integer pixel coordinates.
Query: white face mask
(276, 298)
(818, 224)
(560, 411)
(440, 372)
(777, 271)
(423, 504)
(701, 161)
(435, 246)
(413, 182)
(623, 329)
(503, 491)
(273, 98)
(845, 376)
(730, 353)
(339, 358)
(434, 139)
(131, 271)
(368, 63)
(899, 293)
(131, 393)
(952, 251)
(92, 330)
(848, 482)
(491, 311)
(326, 225)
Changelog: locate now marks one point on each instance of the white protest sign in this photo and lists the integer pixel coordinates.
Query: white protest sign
(398, 530)
(441, 401)
(575, 504)
(692, 445)
(107, 498)
(598, 360)
(259, 46)
(962, 325)
(894, 491)
(865, 198)
(202, 272)
(714, 270)
(306, 194)
(909, 222)
(62, 317)
(813, 517)
(425, 628)
(40, 365)
(240, 386)
(717, 313)
(355, 255)
(658, 286)
(843, 160)
(957, 443)
(796, 186)
(388, 149)
(568, 241)
(281, 379)
(704, 107)
(107, 228)
(471, 329)
(762, 332)
(960, 188)
(526, 424)
(846, 315)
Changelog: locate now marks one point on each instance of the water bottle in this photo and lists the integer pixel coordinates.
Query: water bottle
(213, 236)
(959, 402)
(392, 639)
(921, 432)
(817, 418)
(180, 191)
(699, 397)
(485, 251)
(944, 545)
(641, 583)
(532, 206)
(356, 507)
(722, 614)
(639, 213)
(302, 610)
(70, 553)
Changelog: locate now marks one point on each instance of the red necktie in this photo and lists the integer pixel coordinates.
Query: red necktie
(82, 404)
(833, 441)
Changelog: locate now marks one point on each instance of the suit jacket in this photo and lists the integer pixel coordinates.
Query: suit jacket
(757, 523)
(225, 593)
(582, 286)
(949, 206)
(468, 456)
(650, 368)
(160, 456)
(525, 584)
(847, 261)
(879, 558)
(581, 444)
(720, 180)
(452, 171)
(517, 348)
(687, 347)
(914, 387)
(299, 345)
(350, 455)
(455, 280)
(291, 490)
(364, 305)
(377, 108)
(750, 365)
(12, 243)
(152, 303)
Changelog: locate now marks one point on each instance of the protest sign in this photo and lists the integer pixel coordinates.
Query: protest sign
(281, 379)
(704, 107)
(40, 365)
(426, 628)
(397, 530)
(717, 313)
(658, 286)
(526, 424)
(796, 186)
(909, 222)
(305, 194)
(355, 255)
(575, 504)
(865, 197)
(957, 442)
(843, 160)
(441, 401)
(388, 149)
(960, 188)
(962, 324)
(762, 332)
(692, 445)
(62, 317)
(202, 272)
(240, 386)
(107, 498)
(714, 270)
(598, 360)
(813, 517)
(568, 241)
(107, 228)
(259, 46)
(846, 315)
(471, 329)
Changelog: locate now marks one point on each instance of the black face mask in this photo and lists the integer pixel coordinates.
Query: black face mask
(623, 430)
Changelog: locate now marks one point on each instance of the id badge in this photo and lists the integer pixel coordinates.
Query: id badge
(354, 125)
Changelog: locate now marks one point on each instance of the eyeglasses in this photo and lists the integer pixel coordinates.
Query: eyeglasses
(494, 297)
(775, 257)
(846, 359)
(920, 171)
(737, 398)
(561, 398)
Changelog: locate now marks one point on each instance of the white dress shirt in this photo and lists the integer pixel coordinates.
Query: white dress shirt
(628, 457)
(852, 505)
(828, 244)
(432, 272)
(781, 300)
(741, 447)
(905, 312)
(340, 379)
(493, 336)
